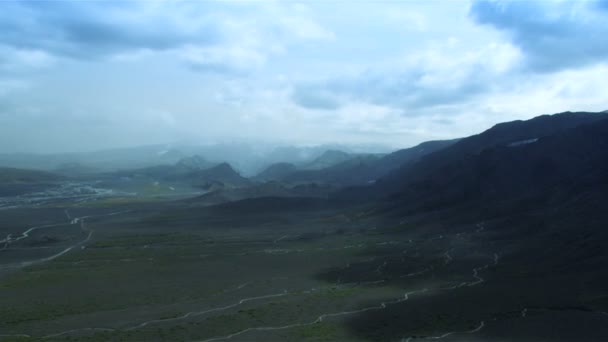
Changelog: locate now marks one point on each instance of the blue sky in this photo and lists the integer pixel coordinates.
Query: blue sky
(85, 75)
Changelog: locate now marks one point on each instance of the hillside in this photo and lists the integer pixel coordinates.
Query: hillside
(222, 175)
(504, 236)
(551, 170)
(548, 156)
(275, 172)
(327, 159)
(181, 170)
(19, 181)
(365, 169)
(261, 190)
(352, 171)
(194, 162)
(13, 175)
(506, 133)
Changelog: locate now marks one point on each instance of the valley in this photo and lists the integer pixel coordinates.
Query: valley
(135, 272)
(185, 253)
(316, 171)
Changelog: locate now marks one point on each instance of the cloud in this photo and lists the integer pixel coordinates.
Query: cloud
(553, 35)
(396, 73)
(543, 37)
(254, 36)
(314, 97)
(304, 27)
(217, 37)
(227, 60)
(95, 29)
(433, 78)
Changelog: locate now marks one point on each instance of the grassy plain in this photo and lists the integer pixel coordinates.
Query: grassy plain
(282, 270)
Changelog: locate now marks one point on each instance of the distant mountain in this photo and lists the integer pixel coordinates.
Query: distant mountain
(195, 170)
(364, 169)
(275, 172)
(13, 175)
(542, 159)
(246, 157)
(192, 170)
(222, 175)
(19, 181)
(195, 162)
(327, 159)
(352, 171)
(180, 170)
(101, 161)
(74, 169)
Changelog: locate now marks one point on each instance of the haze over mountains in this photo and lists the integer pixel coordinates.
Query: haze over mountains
(446, 228)
(248, 158)
(431, 173)
(435, 173)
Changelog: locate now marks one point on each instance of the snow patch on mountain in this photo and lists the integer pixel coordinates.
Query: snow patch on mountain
(523, 142)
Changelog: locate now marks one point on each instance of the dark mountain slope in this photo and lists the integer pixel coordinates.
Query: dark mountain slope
(353, 171)
(397, 159)
(222, 174)
(513, 132)
(450, 160)
(540, 207)
(547, 171)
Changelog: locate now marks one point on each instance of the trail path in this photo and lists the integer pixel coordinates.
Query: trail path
(477, 279)
(71, 221)
(382, 305)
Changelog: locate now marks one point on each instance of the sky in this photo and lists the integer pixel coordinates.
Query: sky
(89, 75)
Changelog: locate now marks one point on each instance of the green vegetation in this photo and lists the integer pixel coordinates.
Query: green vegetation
(323, 331)
(177, 271)
(12, 175)
(149, 239)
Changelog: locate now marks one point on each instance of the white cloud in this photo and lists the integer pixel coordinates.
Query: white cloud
(395, 73)
(225, 59)
(16, 59)
(553, 35)
(305, 28)
(8, 85)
